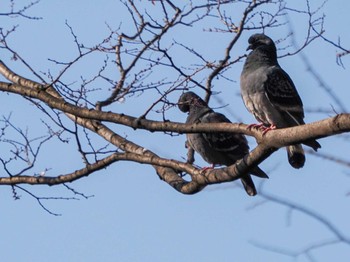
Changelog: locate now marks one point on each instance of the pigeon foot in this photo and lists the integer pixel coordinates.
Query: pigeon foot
(257, 126)
(267, 129)
(207, 168)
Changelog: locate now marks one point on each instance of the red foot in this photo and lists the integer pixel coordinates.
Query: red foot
(267, 129)
(262, 127)
(257, 126)
(207, 168)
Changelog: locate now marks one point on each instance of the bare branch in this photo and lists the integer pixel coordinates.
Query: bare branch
(339, 237)
(14, 12)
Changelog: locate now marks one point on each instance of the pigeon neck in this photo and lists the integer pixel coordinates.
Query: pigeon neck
(262, 55)
(199, 111)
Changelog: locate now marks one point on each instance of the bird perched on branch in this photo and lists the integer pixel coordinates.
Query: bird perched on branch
(270, 95)
(216, 148)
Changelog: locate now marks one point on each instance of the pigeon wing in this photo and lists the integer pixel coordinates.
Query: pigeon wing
(225, 142)
(282, 93)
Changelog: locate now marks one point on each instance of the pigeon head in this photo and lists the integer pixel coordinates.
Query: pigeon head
(189, 99)
(260, 40)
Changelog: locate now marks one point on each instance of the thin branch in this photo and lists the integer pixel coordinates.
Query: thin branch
(317, 217)
(22, 11)
(339, 237)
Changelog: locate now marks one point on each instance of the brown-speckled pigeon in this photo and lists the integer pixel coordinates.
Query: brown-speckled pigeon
(216, 148)
(270, 95)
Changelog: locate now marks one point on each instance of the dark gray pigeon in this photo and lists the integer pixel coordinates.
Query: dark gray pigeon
(270, 95)
(216, 148)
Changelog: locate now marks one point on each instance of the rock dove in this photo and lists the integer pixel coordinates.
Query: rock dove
(216, 148)
(270, 95)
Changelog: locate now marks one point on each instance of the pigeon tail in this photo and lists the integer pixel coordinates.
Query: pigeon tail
(313, 144)
(257, 171)
(248, 185)
(296, 156)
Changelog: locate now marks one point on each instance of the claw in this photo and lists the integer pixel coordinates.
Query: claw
(267, 129)
(257, 126)
(262, 127)
(207, 168)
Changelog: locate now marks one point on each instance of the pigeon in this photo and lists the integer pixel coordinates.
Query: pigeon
(270, 95)
(216, 148)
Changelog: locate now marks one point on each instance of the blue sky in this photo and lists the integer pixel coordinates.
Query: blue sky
(133, 215)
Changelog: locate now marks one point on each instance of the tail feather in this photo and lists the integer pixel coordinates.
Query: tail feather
(313, 144)
(296, 156)
(248, 185)
(257, 171)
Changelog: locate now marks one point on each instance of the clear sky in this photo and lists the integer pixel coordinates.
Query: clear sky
(133, 215)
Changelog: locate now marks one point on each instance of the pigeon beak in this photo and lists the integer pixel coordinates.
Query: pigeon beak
(249, 47)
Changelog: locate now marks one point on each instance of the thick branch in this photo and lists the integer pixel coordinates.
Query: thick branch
(168, 169)
(282, 137)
